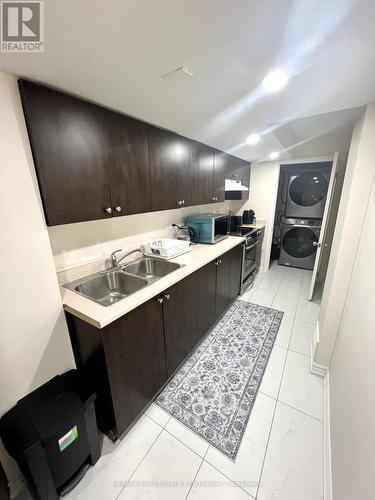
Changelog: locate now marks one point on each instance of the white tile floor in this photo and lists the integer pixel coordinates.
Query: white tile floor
(280, 457)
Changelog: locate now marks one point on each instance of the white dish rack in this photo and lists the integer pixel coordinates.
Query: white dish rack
(166, 248)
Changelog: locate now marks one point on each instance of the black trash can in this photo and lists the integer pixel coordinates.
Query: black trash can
(53, 436)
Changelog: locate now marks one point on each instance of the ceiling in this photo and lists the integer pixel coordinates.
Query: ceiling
(115, 53)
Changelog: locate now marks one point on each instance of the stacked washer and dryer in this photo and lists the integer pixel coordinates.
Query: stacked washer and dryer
(305, 196)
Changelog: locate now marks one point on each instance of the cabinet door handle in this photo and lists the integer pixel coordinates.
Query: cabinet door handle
(220, 261)
(167, 296)
(216, 263)
(118, 208)
(183, 202)
(179, 203)
(108, 210)
(160, 300)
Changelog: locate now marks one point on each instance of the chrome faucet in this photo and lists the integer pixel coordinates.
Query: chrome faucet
(115, 262)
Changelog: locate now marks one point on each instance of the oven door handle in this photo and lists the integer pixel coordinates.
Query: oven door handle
(251, 246)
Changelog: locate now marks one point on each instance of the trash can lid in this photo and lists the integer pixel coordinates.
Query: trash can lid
(40, 414)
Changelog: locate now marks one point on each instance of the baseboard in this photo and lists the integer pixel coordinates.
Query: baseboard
(322, 371)
(327, 462)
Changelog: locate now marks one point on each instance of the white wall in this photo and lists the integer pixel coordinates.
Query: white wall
(352, 373)
(34, 342)
(84, 242)
(356, 191)
(262, 199)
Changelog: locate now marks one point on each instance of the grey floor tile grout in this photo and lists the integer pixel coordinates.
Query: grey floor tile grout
(162, 426)
(229, 479)
(273, 418)
(186, 445)
(299, 411)
(196, 474)
(144, 456)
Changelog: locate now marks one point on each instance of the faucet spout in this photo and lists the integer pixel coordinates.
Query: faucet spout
(115, 261)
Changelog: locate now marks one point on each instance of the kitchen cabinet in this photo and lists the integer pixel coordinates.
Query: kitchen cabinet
(223, 298)
(68, 142)
(93, 163)
(206, 297)
(238, 170)
(174, 176)
(258, 257)
(221, 166)
(180, 321)
(205, 159)
(235, 271)
(228, 279)
(128, 362)
(128, 164)
(124, 363)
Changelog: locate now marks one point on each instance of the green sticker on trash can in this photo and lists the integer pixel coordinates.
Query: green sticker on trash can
(68, 439)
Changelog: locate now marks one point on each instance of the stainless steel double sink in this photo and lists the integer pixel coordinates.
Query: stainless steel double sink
(110, 286)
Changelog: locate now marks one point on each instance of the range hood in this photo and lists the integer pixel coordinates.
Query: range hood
(233, 185)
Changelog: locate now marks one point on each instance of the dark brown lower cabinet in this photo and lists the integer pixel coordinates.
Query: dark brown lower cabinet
(128, 362)
(180, 321)
(228, 279)
(124, 363)
(206, 297)
(235, 271)
(223, 298)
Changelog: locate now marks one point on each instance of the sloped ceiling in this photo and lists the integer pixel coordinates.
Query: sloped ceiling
(115, 53)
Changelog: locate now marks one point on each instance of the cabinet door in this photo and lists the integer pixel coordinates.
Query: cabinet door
(238, 170)
(223, 272)
(135, 355)
(221, 169)
(172, 177)
(235, 271)
(206, 297)
(68, 142)
(205, 190)
(180, 321)
(128, 164)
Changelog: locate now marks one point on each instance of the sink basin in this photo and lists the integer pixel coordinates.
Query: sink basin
(111, 287)
(151, 268)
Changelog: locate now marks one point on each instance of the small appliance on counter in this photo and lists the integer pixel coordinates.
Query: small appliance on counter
(208, 228)
(181, 232)
(166, 248)
(248, 217)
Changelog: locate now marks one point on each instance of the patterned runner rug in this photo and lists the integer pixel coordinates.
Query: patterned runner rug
(214, 391)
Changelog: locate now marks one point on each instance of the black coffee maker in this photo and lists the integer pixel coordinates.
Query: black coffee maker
(248, 217)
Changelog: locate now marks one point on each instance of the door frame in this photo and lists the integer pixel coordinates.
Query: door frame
(323, 229)
(267, 242)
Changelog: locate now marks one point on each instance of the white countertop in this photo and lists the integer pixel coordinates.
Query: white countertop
(101, 316)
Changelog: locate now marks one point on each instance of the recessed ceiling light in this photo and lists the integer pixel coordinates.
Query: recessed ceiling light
(275, 80)
(253, 139)
(274, 155)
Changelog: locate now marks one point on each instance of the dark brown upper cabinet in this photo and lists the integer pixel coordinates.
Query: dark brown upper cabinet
(128, 164)
(68, 142)
(94, 163)
(204, 156)
(238, 170)
(173, 168)
(221, 166)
